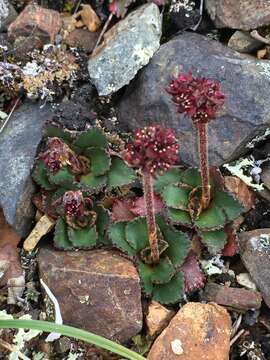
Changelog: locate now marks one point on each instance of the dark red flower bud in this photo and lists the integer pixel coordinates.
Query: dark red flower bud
(73, 202)
(154, 149)
(58, 154)
(200, 98)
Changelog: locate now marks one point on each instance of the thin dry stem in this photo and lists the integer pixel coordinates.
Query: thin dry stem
(150, 215)
(204, 165)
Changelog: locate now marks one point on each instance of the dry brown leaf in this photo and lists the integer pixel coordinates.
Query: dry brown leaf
(87, 17)
(241, 191)
(261, 54)
(42, 227)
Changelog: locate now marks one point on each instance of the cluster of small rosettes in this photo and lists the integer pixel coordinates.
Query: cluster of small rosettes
(58, 154)
(200, 98)
(153, 150)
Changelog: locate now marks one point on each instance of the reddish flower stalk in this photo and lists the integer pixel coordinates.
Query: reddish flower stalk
(200, 98)
(154, 150)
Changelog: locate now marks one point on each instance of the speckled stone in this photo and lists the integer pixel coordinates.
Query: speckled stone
(18, 147)
(245, 114)
(97, 290)
(127, 47)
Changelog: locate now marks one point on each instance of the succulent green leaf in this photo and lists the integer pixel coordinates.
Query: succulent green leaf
(137, 234)
(192, 177)
(214, 240)
(55, 131)
(40, 175)
(62, 177)
(179, 217)
(93, 182)
(93, 137)
(173, 176)
(229, 204)
(120, 174)
(117, 235)
(99, 161)
(170, 292)
(102, 224)
(61, 240)
(222, 209)
(146, 272)
(179, 244)
(84, 238)
(163, 271)
(176, 196)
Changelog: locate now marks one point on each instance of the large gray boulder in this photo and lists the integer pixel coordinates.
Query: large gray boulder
(18, 146)
(239, 14)
(244, 80)
(128, 46)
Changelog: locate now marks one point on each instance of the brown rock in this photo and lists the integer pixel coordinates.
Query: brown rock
(240, 14)
(198, 331)
(234, 298)
(157, 318)
(241, 191)
(82, 38)
(38, 21)
(255, 254)
(97, 290)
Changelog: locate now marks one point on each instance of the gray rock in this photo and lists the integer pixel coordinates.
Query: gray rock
(97, 290)
(242, 42)
(255, 254)
(245, 81)
(7, 14)
(128, 46)
(240, 14)
(18, 146)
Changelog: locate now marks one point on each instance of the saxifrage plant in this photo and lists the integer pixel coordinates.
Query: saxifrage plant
(158, 248)
(71, 171)
(192, 198)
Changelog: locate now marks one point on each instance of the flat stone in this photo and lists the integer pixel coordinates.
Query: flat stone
(128, 46)
(7, 14)
(244, 115)
(198, 331)
(102, 286)
(83, 39)
(255, 254)
(240, 14)
(233, 298)
(18, 146)
(242, 42)
(45, 23)
(157, 318)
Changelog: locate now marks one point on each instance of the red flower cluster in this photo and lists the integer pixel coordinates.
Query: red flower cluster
(153, 150)
(58, 154)
(200, 98)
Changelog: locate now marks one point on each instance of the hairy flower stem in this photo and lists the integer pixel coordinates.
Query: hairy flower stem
(204, 165)
(150, 215)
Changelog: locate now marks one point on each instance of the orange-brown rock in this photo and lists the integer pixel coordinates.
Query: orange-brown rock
(97, 290)
(241, 191)
(197, 332)
(157, 318)
(38, 21)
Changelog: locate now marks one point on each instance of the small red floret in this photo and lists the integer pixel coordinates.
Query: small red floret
(200, 98)
(154, 149)
(73, 202)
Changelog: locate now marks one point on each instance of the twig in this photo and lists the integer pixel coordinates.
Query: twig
(195, 27)
(237, 336)
(103, 30)
(259, 37)
(9, 115)
(12, 349)
(77, 7)
(236, 325)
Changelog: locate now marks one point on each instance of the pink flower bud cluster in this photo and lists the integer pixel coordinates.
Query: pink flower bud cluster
(154, 149)
(200, 98)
